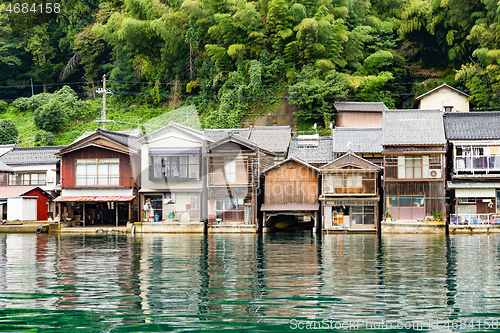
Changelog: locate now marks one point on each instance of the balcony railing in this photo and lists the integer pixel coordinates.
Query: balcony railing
(475, 219)
(477, 163)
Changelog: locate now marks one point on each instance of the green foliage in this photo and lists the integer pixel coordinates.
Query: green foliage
(3, 106)
(8, 131)
(44, 138)
(50, 116)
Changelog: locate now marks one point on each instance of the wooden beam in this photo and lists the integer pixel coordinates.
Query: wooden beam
(116, 209)
(84, 214)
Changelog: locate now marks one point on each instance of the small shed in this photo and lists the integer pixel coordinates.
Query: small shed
(14, 208)
(291, 195)
(22, 208)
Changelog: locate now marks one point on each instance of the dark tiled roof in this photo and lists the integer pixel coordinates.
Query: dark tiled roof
(272, 138)
(218, 134)
(31, 155)
(360, 106)
(126, 139)
(314, 155)
(358, 140)
(413, 127)
(472, 125)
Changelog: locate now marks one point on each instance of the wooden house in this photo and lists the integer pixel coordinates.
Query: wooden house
(444, 98)
(234, 166)
(474, 155)
(172, 175)
(350, 193)
(100, 178)
(414, 164)
(291, 195)
(359, 114)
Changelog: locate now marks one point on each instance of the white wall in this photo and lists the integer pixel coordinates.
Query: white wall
(21, 208)
(445, 97)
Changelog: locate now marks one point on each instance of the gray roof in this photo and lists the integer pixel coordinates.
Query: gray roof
(5, 168)
(472, 125)
(31, 155)
(275, 139)
(413, 127)
(314, 155)
(6, 148)
(218, 134)
(358, 139)
(360, 106)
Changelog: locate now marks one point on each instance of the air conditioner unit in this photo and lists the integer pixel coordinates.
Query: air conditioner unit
(328, 189)
(435, 173)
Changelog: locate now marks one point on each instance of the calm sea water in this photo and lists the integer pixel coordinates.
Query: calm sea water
(269, 283)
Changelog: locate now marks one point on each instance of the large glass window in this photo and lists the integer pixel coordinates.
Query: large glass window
(174, 166)
(413, 166)
(98, 172)
(406, 207)
(26, 178)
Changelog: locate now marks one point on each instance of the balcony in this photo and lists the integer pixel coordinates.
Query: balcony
(481, 163)
(474, 219)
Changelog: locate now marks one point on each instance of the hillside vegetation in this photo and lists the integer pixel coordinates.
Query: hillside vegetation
(235, 59)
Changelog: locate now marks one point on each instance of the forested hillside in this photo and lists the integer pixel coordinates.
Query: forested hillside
(236, 59)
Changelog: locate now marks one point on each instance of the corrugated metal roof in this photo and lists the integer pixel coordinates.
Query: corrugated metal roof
(413, 127)
(360, 106)
(357, 139)
(275, 139)
(31, 155)
(472, 125)
(94, 198)
(323, 153)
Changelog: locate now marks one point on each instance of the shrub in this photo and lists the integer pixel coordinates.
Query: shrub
(50, 117)
(8, 131)
(44, 138)
(3, 106)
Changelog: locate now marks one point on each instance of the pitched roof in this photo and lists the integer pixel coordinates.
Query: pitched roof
(351, 159)
(173, 125)
(5, 168)
(31, 155)
(444, 85)
(233, 138)
(275, 139)
(6, 148)
(360, 106)
(291, 158)
(16, 191)
(413, 127)
(218, 134)
(357, 139)
(322, 153)
(128, 138)
(472, 125)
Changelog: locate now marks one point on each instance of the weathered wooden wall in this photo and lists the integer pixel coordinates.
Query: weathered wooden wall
(68, 165)
(291, 183)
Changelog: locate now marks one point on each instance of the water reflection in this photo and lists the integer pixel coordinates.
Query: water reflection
(193, 282)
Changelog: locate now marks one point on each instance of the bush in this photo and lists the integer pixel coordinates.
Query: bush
(50, 117)
(32, 103)
(3, 106)
(8, 131)
(44, 138)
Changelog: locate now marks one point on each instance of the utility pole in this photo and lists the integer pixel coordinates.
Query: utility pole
(103, 112)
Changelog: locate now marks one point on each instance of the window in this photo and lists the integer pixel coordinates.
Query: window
(406, 207)
(363, 214)
(448, 108)
(467, 200)
(25, 178)
(230, 171)
(412, 166)
(174, 166)
(98, 172)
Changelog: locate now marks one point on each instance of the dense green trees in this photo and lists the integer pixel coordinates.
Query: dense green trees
(232, 57)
